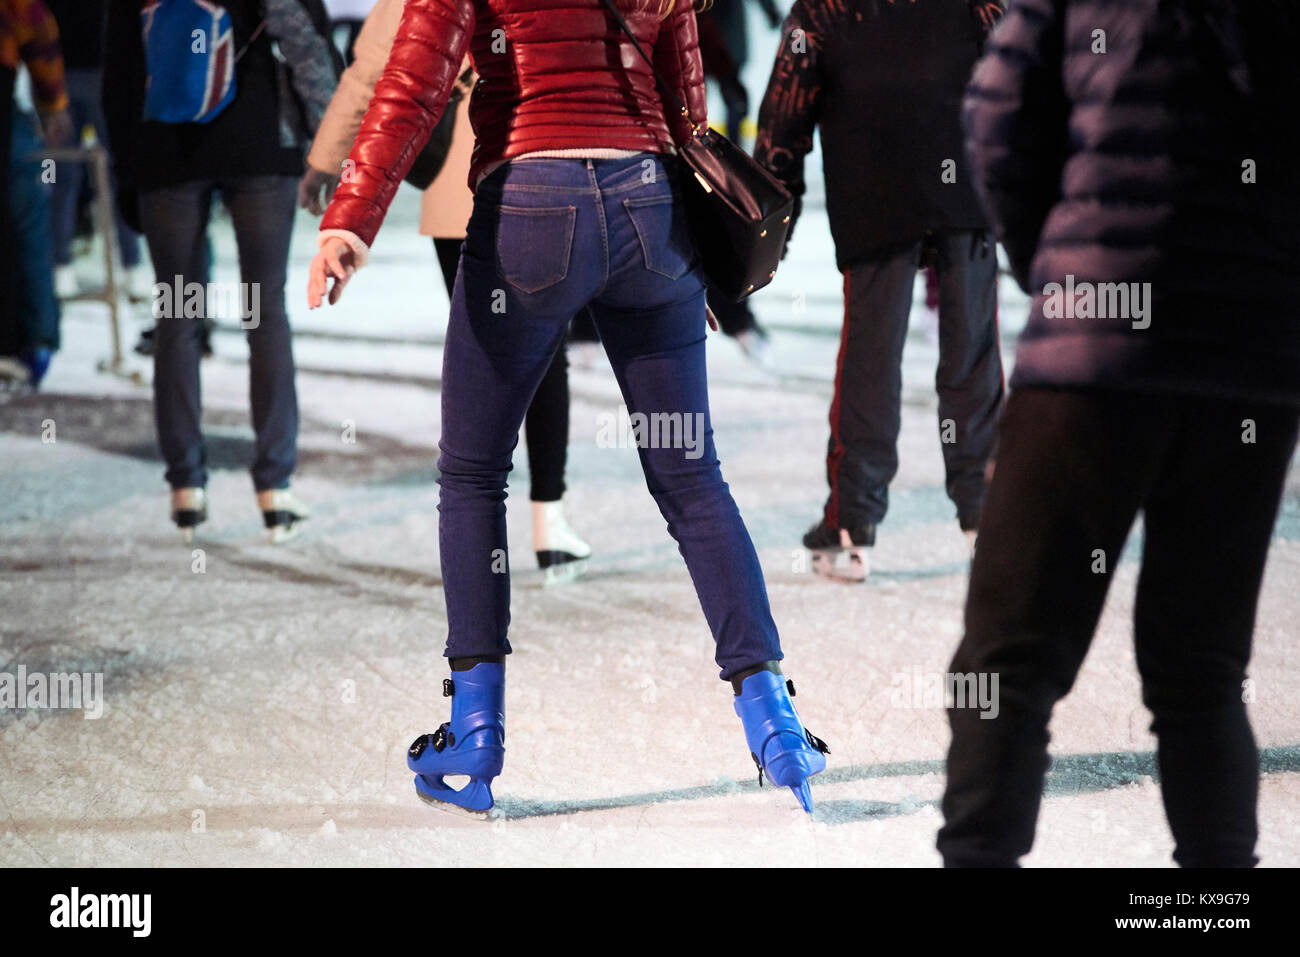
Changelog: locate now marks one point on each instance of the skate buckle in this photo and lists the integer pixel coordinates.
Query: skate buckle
(441, 738)
(789, 685)
(448, 687)
(816, 742)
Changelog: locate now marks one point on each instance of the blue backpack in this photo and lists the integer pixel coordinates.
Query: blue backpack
(190, 57)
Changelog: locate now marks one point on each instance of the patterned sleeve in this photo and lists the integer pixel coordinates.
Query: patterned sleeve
(310, 63)
(792, 104)
(989, 13)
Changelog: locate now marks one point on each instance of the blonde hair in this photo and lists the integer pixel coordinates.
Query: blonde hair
(664, 7)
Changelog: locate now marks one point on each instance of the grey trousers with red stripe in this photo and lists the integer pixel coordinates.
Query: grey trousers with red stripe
(862, 456)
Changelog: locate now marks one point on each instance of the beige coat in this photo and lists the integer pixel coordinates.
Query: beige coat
(448, 201)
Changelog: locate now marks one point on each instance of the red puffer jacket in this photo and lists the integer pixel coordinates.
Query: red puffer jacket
(553, 74)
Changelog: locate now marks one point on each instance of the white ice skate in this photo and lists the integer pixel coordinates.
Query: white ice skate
(561, 553)
(282, 513)
(66, 283)
(189, 510)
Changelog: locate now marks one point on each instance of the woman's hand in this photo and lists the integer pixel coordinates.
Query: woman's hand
(336, 261)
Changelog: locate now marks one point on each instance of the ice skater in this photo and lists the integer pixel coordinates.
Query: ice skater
(178, 136)
(884, 84)
(575, 206)
(1138, 160)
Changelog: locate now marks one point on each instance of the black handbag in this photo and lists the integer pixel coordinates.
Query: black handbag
(739, 213)
(433, 157)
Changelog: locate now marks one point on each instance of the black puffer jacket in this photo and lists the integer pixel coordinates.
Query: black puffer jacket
(1169, 159)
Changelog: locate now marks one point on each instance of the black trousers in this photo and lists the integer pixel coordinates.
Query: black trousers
(546, 424)
(1073, 471)
(862, 455)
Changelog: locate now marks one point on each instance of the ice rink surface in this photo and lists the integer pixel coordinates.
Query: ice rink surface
(259, 700)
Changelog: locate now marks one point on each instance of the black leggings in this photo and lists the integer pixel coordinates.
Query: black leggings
(1073, 471)
(546, 426)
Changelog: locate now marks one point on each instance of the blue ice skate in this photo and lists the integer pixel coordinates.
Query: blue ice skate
(783, 750)
(471, 743)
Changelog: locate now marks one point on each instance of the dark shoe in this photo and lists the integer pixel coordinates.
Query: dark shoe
(840, 553)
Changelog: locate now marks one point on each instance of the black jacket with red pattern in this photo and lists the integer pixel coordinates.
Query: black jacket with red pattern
(553, 74)
(883, 79)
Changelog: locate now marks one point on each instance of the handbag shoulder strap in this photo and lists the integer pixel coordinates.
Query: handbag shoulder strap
(677, 100)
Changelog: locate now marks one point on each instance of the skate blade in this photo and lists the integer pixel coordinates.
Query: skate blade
(564, 574)
(187, 535)
(284, 533)
(455, 810)
(804, 793)
(476, 796)
(795, 768)
(854, 569)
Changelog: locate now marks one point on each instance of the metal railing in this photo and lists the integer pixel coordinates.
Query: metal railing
(96, 157)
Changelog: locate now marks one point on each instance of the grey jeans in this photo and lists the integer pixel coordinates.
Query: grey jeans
(862, 457)
(175, 220)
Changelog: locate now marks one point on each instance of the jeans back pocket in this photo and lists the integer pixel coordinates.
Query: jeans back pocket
(534, 245)
(660, 223)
